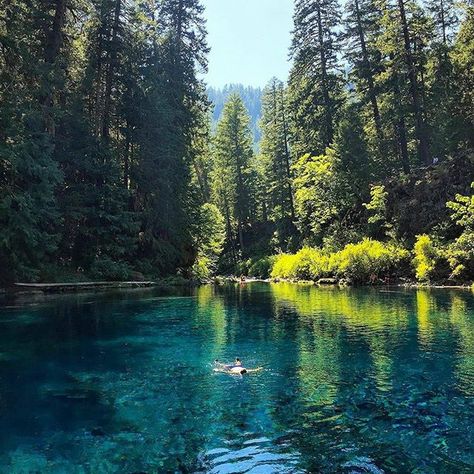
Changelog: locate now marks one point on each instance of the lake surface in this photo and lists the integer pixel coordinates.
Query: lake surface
(355, 381)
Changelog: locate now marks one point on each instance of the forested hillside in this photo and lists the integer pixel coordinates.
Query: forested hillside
(110, 165)
(101, 110)
(251, 96)
(383, 154)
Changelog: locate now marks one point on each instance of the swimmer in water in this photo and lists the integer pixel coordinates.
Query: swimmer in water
(235, 368)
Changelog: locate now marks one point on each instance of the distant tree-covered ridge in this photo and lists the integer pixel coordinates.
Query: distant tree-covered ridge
(251, 97)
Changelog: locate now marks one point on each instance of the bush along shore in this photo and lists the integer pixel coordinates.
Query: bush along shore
(440, 257)
(372, 262)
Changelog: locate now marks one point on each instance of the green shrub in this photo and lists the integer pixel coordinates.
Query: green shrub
(359, 262)
(425, 255)
(261, 268)
(284, 266)
(202, 268)
(307, 264)
(460, 253)
(107, 269)
(367, 259)
(460, 256)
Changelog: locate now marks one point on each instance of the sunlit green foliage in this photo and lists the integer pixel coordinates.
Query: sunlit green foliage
(210, 236)
(364, 262)
(377, 205)
(319, 194)
(460, 253)
(425, 255)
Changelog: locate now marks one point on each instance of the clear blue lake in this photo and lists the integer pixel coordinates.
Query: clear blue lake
(363, 380)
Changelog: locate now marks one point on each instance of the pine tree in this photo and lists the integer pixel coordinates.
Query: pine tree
(28, 172)
(402, 42)
(441, 82)
(350, 145)
(276, 160)
(412, 67)
(172, 113)
(232, 175)
(314, 83)
(462, 57)
(445, 16)
(361, 30)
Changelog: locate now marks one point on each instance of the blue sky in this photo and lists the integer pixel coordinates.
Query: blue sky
(249, 40)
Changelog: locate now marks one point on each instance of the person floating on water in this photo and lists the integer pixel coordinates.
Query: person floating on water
(236, 368)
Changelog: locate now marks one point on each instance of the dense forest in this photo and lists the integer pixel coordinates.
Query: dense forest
(110, 167)
(252, 98)
(101, 123)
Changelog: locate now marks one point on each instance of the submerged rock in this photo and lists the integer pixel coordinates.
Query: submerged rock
(97, 431)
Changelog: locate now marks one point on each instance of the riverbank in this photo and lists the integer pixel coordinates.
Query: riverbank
(19, 289)
(342, 283)
(89, 286)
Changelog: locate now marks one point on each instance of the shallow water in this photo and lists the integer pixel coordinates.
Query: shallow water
(355, 381)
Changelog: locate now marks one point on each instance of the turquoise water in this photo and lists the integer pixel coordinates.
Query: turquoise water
(355, 381)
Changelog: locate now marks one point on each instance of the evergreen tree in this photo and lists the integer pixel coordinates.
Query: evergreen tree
(28, 172)
(403, 41)
(361, 30)
(445, 16)
(314, 83)
(463, 61)
(350, 145)
(252, 97)
(404, 34)
(276, 160)
(232, 174)
(170, 114)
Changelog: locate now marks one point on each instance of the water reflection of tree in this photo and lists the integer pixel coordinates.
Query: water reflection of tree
(377, 318)
(402, 331)
(240, 325)
(460, 315)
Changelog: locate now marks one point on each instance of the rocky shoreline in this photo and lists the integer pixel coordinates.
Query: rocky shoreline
(343, 283)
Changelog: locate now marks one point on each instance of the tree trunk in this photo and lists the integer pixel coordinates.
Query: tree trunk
(401, 129)
(443, 21)
(54, 41)
(111, 67)
(287, 158)
(240, 204)
(230, 237)
(324, 81)
(420, 128)
(126, 159)
(368, 75)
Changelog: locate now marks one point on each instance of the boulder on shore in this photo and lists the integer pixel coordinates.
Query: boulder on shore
(327, 281)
